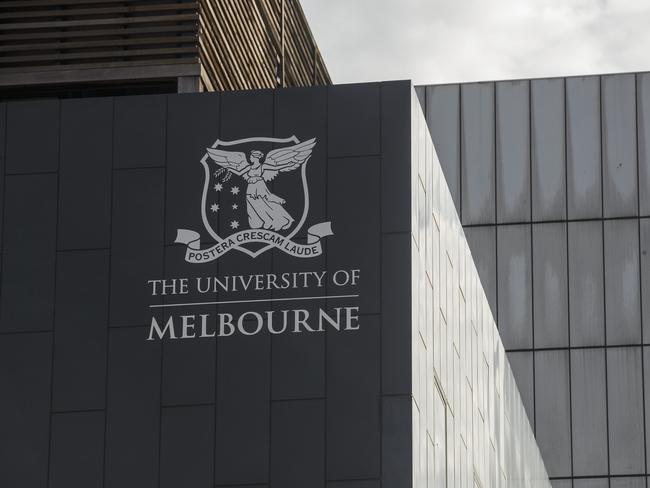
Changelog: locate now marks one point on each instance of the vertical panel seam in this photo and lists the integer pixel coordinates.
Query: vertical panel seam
(638, 208)
(109, 287)
(52, 350)
(568, 275)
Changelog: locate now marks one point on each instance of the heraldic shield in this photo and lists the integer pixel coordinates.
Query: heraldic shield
(255, 198)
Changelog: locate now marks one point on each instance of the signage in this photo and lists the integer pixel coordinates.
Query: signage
(238, 209)
(242, 214)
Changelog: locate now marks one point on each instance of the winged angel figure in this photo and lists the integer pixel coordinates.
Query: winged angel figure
(265, 209)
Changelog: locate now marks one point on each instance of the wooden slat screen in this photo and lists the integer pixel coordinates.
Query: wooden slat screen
(230, 44)
(51, 35)
(247, 44)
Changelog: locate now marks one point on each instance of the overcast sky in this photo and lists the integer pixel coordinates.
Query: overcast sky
(442, 41)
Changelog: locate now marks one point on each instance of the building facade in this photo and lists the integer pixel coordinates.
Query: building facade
(173, 312)
(551, 180)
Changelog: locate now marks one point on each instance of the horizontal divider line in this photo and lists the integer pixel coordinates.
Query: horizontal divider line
(192, 304)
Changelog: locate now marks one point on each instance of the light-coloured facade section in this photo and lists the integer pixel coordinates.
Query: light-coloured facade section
(469, 423)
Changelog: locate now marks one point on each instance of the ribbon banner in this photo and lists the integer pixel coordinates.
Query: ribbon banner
(194, 253)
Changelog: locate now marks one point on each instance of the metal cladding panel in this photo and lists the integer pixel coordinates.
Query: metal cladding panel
(442, 106)
(628, 483)
(646, 396)
(591, 483)
(513, 151)
(643, 135)
(562, 483)
(584, 171)
(548, 148)
(589, 412)
(625, 410)
(482, 242)
(550, 285)
(619, 114)
(622, 281)
(553, 410)
(477, 154)
(586, 287)
(523, 370)
(514, 286)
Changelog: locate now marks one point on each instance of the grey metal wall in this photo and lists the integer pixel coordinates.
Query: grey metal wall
(469, 423)
(551, 178)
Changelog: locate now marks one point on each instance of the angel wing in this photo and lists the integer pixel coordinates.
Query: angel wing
(287, 158)
(234, 161)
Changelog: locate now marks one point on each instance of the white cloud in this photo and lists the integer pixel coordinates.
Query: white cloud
(440, 41)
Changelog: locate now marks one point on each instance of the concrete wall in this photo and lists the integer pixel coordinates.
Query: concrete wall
(551, 179)
(469, 423)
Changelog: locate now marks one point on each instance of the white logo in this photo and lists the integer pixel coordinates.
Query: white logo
(239, 210)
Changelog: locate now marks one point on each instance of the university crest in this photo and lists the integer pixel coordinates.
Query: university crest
(256, 198)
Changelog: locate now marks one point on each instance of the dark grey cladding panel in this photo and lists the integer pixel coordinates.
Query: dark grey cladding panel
(353, 402)
(303, 113)
(243, 409)
(354, 120)
(132, 409)
(396, 314)
(138, 217)
(81, 330)
(396, 156)
(85, 173)
(140, 128)
(29, 253)
(192, 125)
(396, 461)
(187, 447)
(3, 146)
(32, 136)
(353, 199)
(298, 365)
(181, 358)
(355, 484)
(298, 449)
(130, 270)
(77, 450)
(25, 369)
